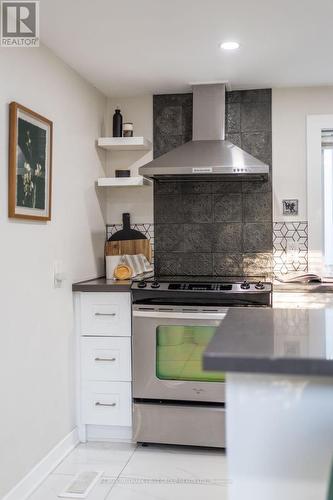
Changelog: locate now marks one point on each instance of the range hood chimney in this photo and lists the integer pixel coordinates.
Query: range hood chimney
(208, 156)
(208, 112)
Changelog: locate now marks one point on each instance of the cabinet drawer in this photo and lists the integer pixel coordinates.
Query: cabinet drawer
(107, 403)
(106, 314)
(106, 358)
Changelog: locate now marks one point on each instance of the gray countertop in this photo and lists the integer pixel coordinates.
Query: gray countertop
(281, 341)
(102, 285)
(303, 287)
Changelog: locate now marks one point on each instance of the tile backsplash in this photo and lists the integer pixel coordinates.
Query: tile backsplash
(211, 228)
(283, 262)
(214, 228)
(284, 234)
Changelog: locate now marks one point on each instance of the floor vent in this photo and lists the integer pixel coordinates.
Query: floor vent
(81, 485)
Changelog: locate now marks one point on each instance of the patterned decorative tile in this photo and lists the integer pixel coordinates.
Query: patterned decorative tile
(228, 263)
(228, 207)
(146, 229)
(284, 261)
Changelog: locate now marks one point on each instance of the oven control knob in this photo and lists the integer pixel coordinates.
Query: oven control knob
(142, 284)
(245, 285)
(260, 285)
(155, 284)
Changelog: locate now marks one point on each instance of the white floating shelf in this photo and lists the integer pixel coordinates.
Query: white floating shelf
(122, 181)
(124, 143)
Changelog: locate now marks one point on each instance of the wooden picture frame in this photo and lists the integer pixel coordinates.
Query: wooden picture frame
(30, 164)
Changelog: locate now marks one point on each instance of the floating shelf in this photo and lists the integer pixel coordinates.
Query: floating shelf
(122, 181)
(124, 143)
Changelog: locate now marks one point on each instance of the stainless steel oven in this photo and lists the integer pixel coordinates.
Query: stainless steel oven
(175, 400)
(169, 384)
(168, 343)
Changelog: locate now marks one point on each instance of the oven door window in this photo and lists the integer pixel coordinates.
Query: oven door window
(179, 352)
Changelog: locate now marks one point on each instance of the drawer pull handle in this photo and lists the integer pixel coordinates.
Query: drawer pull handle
(106, 359)
(105, 404)
(105, 314)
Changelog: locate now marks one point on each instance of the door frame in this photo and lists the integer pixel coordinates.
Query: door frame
(315, 203)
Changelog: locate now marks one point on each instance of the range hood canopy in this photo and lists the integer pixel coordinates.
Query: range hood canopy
(208, 155)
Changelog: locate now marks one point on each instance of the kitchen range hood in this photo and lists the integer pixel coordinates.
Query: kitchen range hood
(208, 156)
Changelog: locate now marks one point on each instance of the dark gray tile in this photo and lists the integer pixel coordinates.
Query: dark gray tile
(197, 264)
(227, 207)
(161, 101)
(257, 208)
(169, 120)
(168, 209)
(163, 143)
(168, 264)
(197, 208)
(227, 237)
(187, 120)
(196, 187)
(233, 96)
(172, 118)
(255, 117)
(255, 264)
(236, 139)
(228, 264)
(258, 95)
(258, 186)
(198, 237)
(258, 144)
(233, 118)
(221, 187)
(257, 237)
(169, 237)
(166, 187)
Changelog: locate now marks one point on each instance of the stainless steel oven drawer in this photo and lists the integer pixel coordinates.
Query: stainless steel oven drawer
(179, 424)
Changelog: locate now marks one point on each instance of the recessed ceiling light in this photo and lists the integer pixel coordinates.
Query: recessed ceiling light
(229, 45)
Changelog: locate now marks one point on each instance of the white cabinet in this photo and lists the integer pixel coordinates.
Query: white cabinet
(106, 358)
(103, 326)
(106, 314)
(107, 403)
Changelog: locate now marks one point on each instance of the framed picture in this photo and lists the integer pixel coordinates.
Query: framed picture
(290, 207)
(30, 164)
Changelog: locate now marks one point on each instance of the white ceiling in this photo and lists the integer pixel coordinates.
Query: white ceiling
(132, 47)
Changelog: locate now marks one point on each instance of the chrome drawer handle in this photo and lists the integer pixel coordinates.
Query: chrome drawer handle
(106, 359)
(105, 314)
(105, 404)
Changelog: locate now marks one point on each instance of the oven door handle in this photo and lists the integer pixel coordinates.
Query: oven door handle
(179, 315)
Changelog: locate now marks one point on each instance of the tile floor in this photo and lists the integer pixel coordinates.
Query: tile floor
(142, 473)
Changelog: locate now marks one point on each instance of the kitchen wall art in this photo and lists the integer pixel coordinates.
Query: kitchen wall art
(30, 164)
(290, 207)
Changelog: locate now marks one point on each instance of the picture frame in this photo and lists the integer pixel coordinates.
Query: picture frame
(290, 207)
(30, 164)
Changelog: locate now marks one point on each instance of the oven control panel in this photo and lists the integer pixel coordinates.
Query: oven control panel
(239, 287)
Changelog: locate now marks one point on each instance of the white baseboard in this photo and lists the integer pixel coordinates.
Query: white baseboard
(37, 475)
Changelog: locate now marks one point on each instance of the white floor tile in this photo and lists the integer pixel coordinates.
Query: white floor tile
(167, 492)
(56, 483)
(164, 462)
(108, 457)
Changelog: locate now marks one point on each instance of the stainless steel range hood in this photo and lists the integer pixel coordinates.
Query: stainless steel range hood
(208, 156)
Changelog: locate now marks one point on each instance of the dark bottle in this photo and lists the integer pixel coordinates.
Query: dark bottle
(117, 124)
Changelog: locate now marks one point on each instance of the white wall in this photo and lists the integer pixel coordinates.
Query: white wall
(36, 321)
(290, 107)
(138, 201)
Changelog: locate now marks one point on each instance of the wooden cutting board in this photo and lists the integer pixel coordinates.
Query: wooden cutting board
(129, 247)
